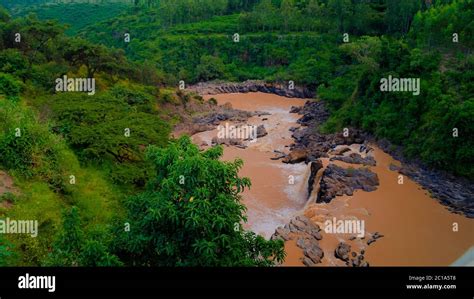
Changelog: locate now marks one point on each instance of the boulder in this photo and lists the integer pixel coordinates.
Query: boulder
(394, 167)
(228, 141)
(314, 253)
(282, 234)
(342, 251)
(308, 262)
(341, 151)
(295, 109)
(337, 181)
(374, 238)
(261, 131)
(355, 158)
(296, 156)
(307, 235)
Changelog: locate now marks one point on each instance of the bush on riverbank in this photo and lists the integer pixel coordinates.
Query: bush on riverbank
(191, 214)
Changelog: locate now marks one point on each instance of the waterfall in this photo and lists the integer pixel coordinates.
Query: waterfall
(313, 175)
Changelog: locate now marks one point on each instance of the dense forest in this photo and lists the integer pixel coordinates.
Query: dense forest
(303, 41)
(76, 14)
(108, 198)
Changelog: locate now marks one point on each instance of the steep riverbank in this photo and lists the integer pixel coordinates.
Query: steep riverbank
(416, 229)
(281, 89)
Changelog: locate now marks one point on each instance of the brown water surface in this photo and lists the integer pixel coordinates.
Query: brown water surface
(417, 229)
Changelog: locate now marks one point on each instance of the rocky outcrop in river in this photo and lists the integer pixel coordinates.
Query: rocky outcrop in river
(355, 158)
(337, 181)
(309, 141)
(307, 235)
(343, 252)
(226, 114)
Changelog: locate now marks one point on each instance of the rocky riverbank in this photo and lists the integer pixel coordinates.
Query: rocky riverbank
(313, 144)
(210, 88)
(213, 116)
(454, 192)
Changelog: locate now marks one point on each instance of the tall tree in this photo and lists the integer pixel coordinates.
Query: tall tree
(340, 10)
(312, 14)
(400, 14)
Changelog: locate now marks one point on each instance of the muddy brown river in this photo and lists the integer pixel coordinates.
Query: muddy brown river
(417, 229)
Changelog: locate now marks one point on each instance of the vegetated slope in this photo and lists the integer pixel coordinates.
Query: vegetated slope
(83, 171)
(176, 39)
(10, 4)
(20, 4)
(75, 15)
(433, 126)
(39, 151)
(304, 42)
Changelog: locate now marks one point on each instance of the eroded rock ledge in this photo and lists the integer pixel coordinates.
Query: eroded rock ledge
(355, 158)
(337, 181)
(211, 119)
(215, 87)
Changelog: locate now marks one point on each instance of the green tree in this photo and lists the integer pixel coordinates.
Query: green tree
(94, 57)
(36, 37)
(288, 13)
(265, 15)
(209, 68)
(4, 15)
(13, 62)
(400, 14)
(312, 14)
(311, 71)
(340, 10)
(9, 86)
(191, 214)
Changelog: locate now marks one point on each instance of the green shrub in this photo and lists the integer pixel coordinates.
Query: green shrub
(10, 87)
